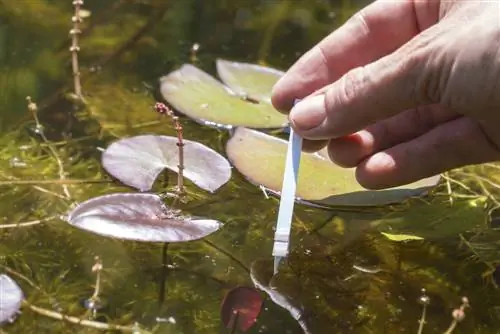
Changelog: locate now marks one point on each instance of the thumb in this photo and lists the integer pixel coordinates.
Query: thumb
(365, 95)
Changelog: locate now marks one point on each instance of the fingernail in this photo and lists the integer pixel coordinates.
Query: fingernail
(309, 113)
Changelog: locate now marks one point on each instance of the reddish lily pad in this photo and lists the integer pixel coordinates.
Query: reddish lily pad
(260, 157)
(201, 97)
(139, 217)
(137, 161)
(241, 307)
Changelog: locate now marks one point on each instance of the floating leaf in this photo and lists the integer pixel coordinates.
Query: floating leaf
(401, 237)
(241, 307)
(11, 298)
(252, 80)
(137, 161)
(261, 157)
(140, 217)
(201, 97)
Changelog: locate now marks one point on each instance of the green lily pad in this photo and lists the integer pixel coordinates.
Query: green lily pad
(251, 80)
(261, 157)
(201, 97)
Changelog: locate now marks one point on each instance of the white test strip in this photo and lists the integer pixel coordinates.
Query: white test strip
(287, 199)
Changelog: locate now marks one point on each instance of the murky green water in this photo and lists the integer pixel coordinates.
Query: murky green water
(342, 277)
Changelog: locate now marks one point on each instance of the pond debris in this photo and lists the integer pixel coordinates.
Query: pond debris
(75, 48)
(162, 109)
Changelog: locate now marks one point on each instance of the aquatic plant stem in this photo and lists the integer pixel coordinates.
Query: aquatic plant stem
(163, 274)
(32, 107)
(76, 19)
(458, 315)
(162, 109)
(84, 322)
(97, 268)
(424, 300)
(26, 224)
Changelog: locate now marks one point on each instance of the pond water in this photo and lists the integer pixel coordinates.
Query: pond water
(342, 276)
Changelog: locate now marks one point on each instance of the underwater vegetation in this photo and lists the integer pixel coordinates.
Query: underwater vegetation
(143, 199)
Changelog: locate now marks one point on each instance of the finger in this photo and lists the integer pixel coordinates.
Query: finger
(348, 151)
(451, 145)
(377, 30)
(402, 80)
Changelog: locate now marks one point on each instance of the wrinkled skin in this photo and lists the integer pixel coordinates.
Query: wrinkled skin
(403, 90)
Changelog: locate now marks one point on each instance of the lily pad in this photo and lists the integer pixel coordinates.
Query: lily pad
(137, 161)
(241, 307)
(261, 157)
(201, 97)
(11, 298)
(139, 217)
(251, 80)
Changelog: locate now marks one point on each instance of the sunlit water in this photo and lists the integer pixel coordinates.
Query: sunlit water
(340, 278)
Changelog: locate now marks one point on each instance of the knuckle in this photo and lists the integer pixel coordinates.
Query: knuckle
(352, 85)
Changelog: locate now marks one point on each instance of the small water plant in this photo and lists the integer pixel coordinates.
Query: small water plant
(458, 314)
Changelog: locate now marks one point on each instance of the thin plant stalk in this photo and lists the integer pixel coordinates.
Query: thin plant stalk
(424, 300)
(84, 322)
(97, 268)
(163, 274)
(75, 48)
(32, 107)
(458, 315)
(162, 109)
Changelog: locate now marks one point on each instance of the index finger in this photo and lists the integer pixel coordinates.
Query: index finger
(375, 31)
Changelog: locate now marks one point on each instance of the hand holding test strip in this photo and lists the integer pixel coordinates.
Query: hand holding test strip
(287, 200)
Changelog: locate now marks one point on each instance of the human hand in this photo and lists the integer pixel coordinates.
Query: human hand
(404, 90)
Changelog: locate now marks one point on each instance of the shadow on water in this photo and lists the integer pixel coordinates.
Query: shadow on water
(343, 275)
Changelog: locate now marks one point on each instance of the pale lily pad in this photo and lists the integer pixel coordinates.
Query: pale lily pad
(251, 80)
(11, 298)
(139, 217)
(137, 161)
(200, 96)
(261, 157)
